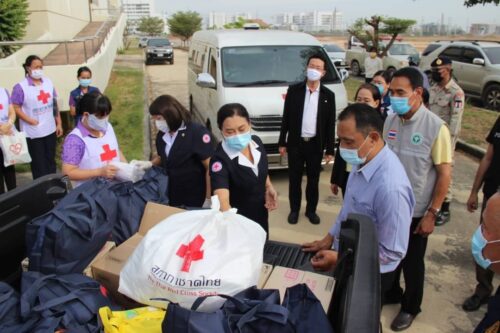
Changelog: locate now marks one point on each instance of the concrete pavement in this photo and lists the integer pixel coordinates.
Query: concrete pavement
(450, 271)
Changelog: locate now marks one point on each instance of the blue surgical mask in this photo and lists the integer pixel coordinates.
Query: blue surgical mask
(478, 243)
(313, 74)
(162, 125)
(85, 82)
(351, 156)
(400, 105)
(97, 124)
(238, 142)
(380, 89)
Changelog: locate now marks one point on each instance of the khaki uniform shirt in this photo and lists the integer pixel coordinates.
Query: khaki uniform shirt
(448, 103)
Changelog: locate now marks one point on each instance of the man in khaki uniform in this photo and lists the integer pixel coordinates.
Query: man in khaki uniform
(447, 101)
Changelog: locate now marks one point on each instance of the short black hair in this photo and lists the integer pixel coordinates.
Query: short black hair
(412, 74)
(367, 118)
(426, 96)
(29, 60)
(231, 110)
(171, 110)
(95, 103)
(374, 91)
(317, 56)
(386, 75)
(83, 69)
(373, 49)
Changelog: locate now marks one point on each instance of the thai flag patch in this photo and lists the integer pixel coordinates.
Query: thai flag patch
(392, 134)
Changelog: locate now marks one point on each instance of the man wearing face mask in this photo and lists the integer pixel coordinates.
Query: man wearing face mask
(422, 142)
(446, 99)
(307, 129)
(84, 76)
(485, 246)
(487, 177)
(377, 187)
(373, 64)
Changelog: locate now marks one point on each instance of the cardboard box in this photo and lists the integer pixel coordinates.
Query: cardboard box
(321, 285)
(107, 269)
(264, 275)
(105, 249)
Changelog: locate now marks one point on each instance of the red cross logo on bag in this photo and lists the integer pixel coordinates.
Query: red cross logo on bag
(191, 252)
(108, 154)
(43, 97)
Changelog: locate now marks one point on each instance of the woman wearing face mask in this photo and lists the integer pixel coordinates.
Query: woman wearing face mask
(367, 94)
(239, 170)
(91, 146)
(373, 64)
(382, 80)
(84, 76)
(184, 149)
(34, 100)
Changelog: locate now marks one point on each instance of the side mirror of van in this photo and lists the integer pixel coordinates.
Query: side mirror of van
(478, 61)
(344, 74)
(205, 80)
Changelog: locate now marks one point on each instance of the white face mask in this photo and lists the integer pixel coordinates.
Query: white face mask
(97, 124)
(36, 74)
(162, 126)
(313, 74)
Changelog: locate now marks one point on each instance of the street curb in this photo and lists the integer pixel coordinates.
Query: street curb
(471, 149)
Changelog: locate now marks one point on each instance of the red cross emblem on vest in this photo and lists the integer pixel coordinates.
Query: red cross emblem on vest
(43, 96)
(1, 106)
(108, 154)
(191, 252)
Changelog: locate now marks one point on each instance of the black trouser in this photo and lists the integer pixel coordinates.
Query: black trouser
(484, 277)
(386, 283)
(7, 175)
(310, 154)
(43, 153)
(413, 267)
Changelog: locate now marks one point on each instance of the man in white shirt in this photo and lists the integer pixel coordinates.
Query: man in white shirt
(373, 64)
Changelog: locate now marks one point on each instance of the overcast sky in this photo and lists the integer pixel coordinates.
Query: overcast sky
(421, 10)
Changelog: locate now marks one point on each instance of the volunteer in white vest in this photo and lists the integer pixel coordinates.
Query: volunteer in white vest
(34, 100)
(7, 119)
(91, 146)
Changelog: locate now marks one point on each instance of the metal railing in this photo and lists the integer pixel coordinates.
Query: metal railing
(95, 41)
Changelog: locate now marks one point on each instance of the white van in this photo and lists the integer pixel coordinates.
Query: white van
(253, 68)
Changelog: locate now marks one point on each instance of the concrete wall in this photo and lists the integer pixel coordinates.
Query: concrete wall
(64, 76)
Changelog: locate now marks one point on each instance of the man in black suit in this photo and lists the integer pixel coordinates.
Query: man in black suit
(307, 129)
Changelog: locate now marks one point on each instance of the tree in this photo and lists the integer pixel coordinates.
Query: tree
(151, 25)
(368, 31)
(236, 25)
(13, 22)
(184, 24)
(470, 3)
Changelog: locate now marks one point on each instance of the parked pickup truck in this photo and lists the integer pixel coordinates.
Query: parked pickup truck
(397, 57)
(355, 305)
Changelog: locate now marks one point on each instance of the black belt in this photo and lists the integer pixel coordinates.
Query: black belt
(308, 139)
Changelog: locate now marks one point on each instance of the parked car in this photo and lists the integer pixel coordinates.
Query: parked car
(336, 54)
(254, 68)
(397, 57)
(143, 42)
(159, 49)
(476, 67)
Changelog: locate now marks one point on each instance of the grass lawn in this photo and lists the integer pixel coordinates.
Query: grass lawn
(476, 122)
(126, 90)
(133, 48)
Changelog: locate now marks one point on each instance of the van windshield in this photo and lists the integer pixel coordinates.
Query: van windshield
(270, 65)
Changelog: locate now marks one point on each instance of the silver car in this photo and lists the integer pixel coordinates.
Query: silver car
(476, 67)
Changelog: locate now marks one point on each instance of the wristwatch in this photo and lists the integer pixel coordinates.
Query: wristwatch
(436, 212)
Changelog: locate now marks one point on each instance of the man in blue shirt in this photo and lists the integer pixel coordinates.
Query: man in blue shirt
(377, 187)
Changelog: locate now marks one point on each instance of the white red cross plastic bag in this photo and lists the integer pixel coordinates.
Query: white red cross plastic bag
(14, 148)
(192, 254)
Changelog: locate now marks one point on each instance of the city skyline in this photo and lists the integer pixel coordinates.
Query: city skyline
(423, 11)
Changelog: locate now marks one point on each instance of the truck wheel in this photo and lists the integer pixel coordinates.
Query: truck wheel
(355, 70)
(391, 70)
(491, 97)
(172, 62)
